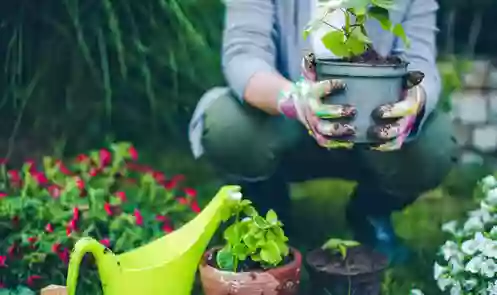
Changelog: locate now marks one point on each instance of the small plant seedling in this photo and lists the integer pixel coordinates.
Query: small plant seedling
(252, 237)
(352, 39)
(339, 246)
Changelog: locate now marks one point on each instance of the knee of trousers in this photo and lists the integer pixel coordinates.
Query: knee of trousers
(242, 142)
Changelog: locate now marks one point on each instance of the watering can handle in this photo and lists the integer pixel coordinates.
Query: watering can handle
(82, 247)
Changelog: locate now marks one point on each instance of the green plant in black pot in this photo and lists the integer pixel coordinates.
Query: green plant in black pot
(371, 79)
(342, 267)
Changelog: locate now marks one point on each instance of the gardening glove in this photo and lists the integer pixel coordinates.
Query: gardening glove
(395, 121)
(303, 101)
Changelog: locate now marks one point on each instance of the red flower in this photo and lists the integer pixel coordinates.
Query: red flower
(105, 157)
(68, 230)
(32, 279)
(75, 213)
(159, 177)
(81, 158)
(56, 247)
(161, 218)
(3, 161)
(31, 165)
(133, 153)
(108, 208)
(94, 171)
(3, 195)
(14, 175)
(39, 177)
(3, 260)
(49, 228)
(12, 249)
(2, 285)
(121, 196)
(71, 226)
(62, 167)
(32, 240)
(183, 201)
(105, 242)
(64, 255)
(195, 207)
(191, 192)
(167, 228)
(54, 190)
(138, 217)
(80, 184)
(171, 184)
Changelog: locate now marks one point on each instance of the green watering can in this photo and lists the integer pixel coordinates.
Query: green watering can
(166, 266)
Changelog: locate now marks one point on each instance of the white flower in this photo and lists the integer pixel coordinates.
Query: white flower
(489, 248)
(456, 289)
(449, 250)
(470, 247)
(444, 282)
(473, 224)
(474, 265)
(456, 265)
(491, 197)
(489, 182)
(450, 227)
(492, 288)
(468, 285)
(416, 292)
(493, 231)
(489, 268)
(482, 213)
(438, 271)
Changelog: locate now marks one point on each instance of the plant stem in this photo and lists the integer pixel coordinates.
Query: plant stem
(235, 258)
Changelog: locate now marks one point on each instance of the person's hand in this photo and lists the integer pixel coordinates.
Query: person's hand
(395, 121)
(303, 101)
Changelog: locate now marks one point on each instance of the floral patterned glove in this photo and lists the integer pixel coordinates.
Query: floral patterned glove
(303, 101)
(397, 120)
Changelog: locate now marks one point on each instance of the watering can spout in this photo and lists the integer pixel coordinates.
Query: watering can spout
(104, 258)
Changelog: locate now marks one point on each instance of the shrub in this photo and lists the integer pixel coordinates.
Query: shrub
(105, 194)
(468, 262)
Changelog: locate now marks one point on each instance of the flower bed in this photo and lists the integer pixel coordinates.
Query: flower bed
(468, 258)
(104, 194)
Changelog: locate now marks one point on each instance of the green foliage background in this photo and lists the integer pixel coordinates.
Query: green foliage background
(76, 70)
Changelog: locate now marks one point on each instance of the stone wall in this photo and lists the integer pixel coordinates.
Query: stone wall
(474, 111)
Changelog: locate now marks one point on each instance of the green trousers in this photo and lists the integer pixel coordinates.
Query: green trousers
(249, 146)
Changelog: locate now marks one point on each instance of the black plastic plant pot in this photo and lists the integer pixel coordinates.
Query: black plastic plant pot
(367, 87)
(360, 273)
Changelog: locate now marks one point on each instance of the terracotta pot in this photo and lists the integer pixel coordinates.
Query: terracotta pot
(329, 276)
(283, 280)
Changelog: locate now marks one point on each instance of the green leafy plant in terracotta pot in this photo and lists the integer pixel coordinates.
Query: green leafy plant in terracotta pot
(345, 267)
(255, 258)
(371, 79)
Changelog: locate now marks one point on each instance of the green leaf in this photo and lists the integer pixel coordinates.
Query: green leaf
(398, 31)
(331, 244)
(225, 213)
(382, 16)
(231, 234)
(225, 259)
(261, 222)
(240, 250)
(250, 241)
(350, 244)
(283, 247)
(271, 217)
(359, 35)
(250, 211)
(334, 41)
(354, 45)
(386, 4)
(270, 253)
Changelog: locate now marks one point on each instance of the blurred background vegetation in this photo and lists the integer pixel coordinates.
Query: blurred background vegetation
(75, 74)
